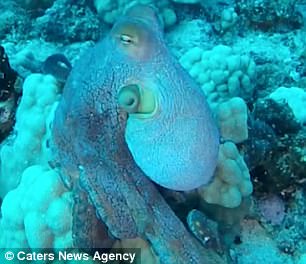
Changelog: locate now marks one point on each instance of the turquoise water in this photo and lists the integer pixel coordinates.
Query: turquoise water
(173, 127)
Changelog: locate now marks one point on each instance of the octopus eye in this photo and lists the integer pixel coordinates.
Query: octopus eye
(126, 39)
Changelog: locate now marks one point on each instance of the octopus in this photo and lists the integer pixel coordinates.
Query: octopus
(204, 229)
(130, 117)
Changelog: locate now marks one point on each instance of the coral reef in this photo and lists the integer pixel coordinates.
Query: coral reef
(30, 130)
(34, 4)
(278, 115)
(260, 145)
(53, 24)
(270, 15)
(278, 145)
(221, 72)
(14, 21)
(232, 118)
(295, 98)
(110, 11)
(247, 56)
(23, 223)
(31, 56)
(227, 21)
(291, 238)
(187, 35)
(255, 237)
(232, 180)
(8, 95)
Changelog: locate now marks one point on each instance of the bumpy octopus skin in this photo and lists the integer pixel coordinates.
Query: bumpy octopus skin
(89, 138)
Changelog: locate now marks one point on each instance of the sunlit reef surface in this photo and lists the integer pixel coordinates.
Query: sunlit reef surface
(101, 111)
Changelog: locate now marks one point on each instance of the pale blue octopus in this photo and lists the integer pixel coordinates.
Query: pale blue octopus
(130, 114)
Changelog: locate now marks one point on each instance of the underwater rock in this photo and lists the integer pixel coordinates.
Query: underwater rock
(257, 246)
(42, 57)
(8, 77)
(90, 130)
(272, 208)
(270, 15)
(260, 145)
(15, 23)
(68, 21)
(25, 61)
(287, 241)
(291, 238)
(8, 95)
(277, 115)
(295, 98)
(34, 4)
(110, 11)
(288, 164)
(188, 34)
(7, 117)
(284, 165)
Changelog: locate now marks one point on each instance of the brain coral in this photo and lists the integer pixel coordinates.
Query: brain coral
(40, 92)
(232, 117)
(222, 72)
(27, 212)
(232, 179)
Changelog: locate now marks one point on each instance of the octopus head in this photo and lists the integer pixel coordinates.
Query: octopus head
(137, 32)
(170, 131)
